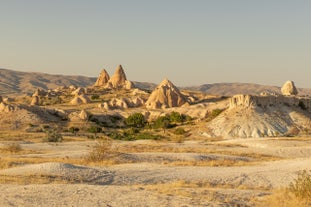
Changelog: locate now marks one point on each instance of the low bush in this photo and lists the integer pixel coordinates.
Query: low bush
(53, 136)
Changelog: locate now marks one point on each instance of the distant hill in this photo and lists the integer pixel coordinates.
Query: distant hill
(229, 89)
(16, 82)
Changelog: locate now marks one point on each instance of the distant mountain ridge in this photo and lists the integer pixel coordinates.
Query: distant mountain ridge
(230, 89)
(17, 82)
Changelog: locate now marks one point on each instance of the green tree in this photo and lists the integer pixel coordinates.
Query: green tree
(136, 120)
(95, 130)
(176, 117)
(74, 130)
(162, 122)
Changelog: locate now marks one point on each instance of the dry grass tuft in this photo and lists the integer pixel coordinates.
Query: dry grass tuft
(12, 148)
(102, 153)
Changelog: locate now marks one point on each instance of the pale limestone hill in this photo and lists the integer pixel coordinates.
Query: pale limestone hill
(261, 116)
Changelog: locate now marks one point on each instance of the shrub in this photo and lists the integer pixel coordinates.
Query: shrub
(162, 122)
(101, 151)
(95, 130)
(136, 120)
(53, 136)
(301, 186)
(180, 131)
(95, 96)
(74, 130)
(214, 114)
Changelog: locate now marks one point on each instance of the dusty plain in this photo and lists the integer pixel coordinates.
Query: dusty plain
(193, 172)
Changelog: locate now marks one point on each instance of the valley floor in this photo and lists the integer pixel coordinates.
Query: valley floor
(195, 172)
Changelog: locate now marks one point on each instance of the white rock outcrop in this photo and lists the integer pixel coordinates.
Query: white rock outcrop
(289, 89)
(165, 95)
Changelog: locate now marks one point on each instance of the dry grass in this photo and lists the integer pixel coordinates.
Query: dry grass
(21, 136)
(11, 148)
(9, 162)
(34, 179)
(200, 190)
(282, 198)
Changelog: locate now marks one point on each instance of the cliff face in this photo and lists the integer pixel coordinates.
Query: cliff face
(261, 116)
(246, 101)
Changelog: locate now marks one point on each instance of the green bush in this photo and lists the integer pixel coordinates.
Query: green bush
(136, 120)
(162, 122)
(133, 134)
(94, 97)
(95, 130)
(74, 130)
(53, 136)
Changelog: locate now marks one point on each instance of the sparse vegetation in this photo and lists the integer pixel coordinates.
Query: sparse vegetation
(53, 136)
(74, 130)
(136, 120)
(301, 186)
(297, 194)
(11, 148)
(95, 130)
(212, 115)
(101, 152)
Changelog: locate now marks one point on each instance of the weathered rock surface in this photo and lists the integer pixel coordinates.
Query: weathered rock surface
(289, 89)
(165, 95)
(102, 79)
(35, 101)
(260, 116)
(118, 80)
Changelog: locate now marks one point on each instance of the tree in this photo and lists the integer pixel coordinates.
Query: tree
(74, 130)
(136, 120)
(95, 130)
(162, 122)
(176, 117)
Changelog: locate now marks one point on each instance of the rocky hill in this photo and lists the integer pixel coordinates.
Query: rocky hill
(15, 82)
(261, 116)
(230, 89)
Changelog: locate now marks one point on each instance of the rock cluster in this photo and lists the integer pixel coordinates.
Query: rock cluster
(81, 99)
(165, 95)
(122, 103)
(117, 81)
(289, 89)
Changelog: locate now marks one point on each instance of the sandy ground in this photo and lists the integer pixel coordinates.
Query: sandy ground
(146, 182)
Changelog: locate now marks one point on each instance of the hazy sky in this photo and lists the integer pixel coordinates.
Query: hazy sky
(190, 42)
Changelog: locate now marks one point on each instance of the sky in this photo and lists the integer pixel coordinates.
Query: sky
(190, 42)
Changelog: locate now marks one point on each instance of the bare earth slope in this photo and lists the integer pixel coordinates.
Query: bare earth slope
(12, 82)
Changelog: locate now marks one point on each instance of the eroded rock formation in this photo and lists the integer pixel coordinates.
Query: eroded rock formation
(165, 95)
